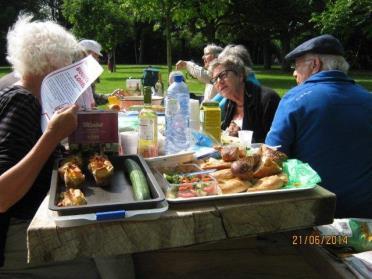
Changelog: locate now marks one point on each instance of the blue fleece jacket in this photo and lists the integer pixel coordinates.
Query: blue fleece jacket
(327, 122)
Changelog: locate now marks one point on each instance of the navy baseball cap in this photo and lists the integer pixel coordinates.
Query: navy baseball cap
(324, 44)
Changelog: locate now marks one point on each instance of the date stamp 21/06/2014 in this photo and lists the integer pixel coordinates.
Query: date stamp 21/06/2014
(338, 240)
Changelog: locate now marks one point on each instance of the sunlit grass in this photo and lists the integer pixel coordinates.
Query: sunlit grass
(275, 78)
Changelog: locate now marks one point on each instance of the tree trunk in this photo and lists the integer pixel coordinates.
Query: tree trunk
(141, 47)
(210, 31)
(285, 42)
(169, 42)
(114, 59)
(266, 55)
(135, 51)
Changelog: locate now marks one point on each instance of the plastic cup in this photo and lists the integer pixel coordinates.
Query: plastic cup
(113, 100)
(245, 137)
(129, 142)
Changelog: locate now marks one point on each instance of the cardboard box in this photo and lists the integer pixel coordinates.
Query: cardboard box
(97, 132)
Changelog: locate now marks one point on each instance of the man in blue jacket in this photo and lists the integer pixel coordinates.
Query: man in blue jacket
(326, 121)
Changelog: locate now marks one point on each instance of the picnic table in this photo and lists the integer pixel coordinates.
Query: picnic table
(184, 227)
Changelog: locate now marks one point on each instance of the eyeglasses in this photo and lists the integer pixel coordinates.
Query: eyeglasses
(300, 63)
(221, 76)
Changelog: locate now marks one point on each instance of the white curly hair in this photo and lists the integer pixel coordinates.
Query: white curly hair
(40, 47)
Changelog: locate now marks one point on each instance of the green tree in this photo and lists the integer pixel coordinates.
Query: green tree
(262, 22)
(204, 16)
(351, 22)
(9, 13)
(177, 18)
(100, 20)
(52, 9)
(159, 12)
(357, 14)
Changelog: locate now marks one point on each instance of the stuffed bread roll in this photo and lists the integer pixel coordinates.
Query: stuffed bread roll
(101, 169)
(72, 197)
(72, 175)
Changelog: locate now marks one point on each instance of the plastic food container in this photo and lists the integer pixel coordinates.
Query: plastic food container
(133, 86)
(188, 181)
(190, 190)
(117, 196)
(128, 101)
(180, 168)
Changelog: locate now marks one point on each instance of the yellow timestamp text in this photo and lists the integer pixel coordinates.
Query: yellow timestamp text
(319, 240)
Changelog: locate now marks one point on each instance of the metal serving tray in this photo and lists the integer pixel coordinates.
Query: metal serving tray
(117, 196)
(243, 194)
(121, 215)
(193, 167)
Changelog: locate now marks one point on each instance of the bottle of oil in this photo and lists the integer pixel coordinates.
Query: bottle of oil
(148, 129)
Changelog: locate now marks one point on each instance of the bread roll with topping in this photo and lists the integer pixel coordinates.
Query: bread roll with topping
(224, 174)
(272, 182)
(234, 185)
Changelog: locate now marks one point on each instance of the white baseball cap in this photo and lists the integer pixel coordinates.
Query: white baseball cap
(92, 46)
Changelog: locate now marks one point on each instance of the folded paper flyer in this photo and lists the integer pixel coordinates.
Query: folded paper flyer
(64, 86)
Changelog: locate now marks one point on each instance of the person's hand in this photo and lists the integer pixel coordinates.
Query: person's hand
(118, 92)
(63, 122)
(233, 129)
(181, 64)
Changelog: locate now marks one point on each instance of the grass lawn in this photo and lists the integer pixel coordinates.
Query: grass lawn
(275, 78)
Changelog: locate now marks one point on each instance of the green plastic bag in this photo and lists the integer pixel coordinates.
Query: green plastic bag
(361, 239)
(357, 231)
(300, 174)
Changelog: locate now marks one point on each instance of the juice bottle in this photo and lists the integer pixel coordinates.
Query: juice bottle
(148, 128)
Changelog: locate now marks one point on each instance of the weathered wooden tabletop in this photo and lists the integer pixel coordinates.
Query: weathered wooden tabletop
(182, 225)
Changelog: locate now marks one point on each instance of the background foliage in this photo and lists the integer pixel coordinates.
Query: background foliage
(163, 31)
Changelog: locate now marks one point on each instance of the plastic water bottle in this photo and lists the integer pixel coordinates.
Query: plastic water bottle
(177, 117)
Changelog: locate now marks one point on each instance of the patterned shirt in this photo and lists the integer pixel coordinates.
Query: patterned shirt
(19, 131)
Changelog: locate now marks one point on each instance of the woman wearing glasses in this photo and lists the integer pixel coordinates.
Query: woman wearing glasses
(241, 52)
(249, 106)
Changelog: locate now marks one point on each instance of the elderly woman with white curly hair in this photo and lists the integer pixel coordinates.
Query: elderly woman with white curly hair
(26, 154)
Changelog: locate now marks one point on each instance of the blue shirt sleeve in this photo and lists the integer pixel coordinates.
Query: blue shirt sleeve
(283, 128)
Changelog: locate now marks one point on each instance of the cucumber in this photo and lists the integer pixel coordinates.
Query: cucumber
(141, 189)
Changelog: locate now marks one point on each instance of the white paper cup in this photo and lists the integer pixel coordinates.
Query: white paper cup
(129, 142)
(245, 137)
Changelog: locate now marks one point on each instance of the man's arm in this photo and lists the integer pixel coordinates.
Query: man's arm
(195, 70)
(282, 131)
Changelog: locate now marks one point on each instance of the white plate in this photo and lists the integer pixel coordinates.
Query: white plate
(238, 195)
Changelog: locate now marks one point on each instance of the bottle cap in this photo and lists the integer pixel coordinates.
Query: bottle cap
(178, 78)
(210, 104)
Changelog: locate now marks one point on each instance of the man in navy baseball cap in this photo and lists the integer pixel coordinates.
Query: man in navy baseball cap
(324, 44)
(325, 121)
